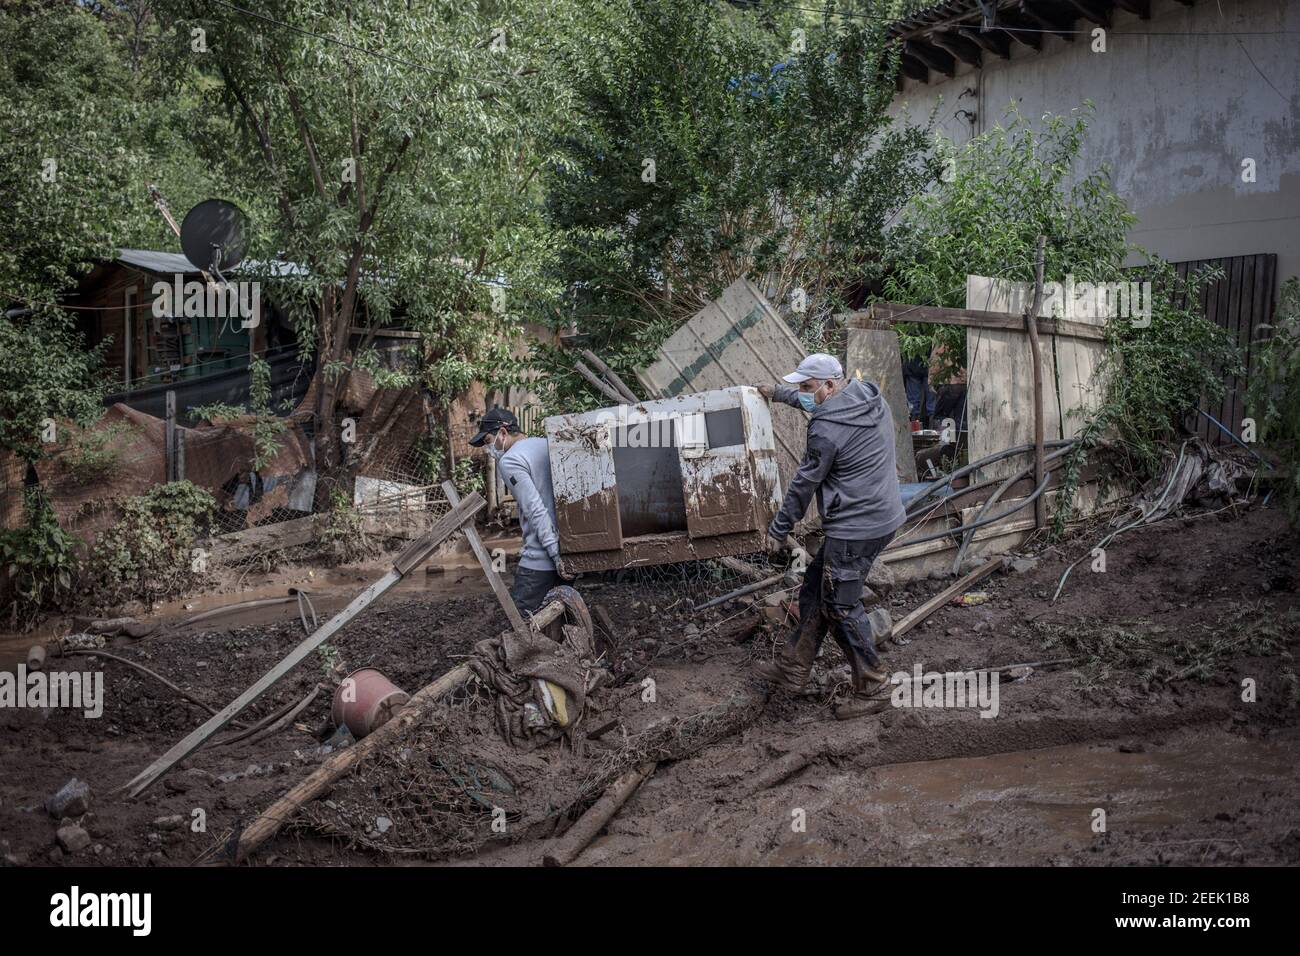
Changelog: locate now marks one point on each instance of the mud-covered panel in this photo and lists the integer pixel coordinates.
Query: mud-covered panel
(650, 550)
(720, 498)
(589, 524)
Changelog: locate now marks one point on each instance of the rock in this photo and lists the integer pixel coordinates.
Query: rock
(881, 578)
(383, 824)
(1024, 565)
(72, 800)
(56, 855)
(881, 623)
(72, 838)
(173, 822)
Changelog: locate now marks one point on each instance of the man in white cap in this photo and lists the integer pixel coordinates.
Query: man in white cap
(850, 467)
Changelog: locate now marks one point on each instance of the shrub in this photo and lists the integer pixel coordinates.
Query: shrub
(41, 561)
(149, 553)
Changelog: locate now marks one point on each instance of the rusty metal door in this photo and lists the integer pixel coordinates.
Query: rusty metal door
(717, 473)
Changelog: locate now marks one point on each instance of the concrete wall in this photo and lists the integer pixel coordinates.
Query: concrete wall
(1175, 116)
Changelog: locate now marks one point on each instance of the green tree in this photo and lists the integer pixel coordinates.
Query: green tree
(999, 193)
(65, 187)
(713, 143)
(397, 144)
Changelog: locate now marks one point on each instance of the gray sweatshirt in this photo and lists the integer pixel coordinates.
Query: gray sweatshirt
(526, 471)
(849, 465)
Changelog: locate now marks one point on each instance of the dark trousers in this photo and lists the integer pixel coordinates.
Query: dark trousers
(831, 599)
(530, 585)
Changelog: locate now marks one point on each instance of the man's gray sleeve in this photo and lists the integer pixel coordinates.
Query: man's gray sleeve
(812, 472)
(786, 395)
(531, 506)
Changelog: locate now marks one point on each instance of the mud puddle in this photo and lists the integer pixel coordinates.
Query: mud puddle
(1199, 796)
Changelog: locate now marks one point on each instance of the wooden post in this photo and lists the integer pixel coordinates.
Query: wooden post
(566, 849)
(485, 561)
(603, 388)
(610, 375)
(169, 435)
(1031, 323)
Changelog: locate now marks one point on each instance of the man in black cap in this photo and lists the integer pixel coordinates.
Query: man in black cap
(525, 466)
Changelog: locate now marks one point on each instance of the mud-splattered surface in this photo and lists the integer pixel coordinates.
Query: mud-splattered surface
(1185, 771)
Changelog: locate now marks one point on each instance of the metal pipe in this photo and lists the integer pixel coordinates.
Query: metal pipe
(986, 460)
(973, 526)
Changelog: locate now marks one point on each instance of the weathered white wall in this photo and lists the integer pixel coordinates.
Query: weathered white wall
(1175, 116)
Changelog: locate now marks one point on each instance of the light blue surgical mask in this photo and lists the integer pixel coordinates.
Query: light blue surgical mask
(493, 450)
(809, 400)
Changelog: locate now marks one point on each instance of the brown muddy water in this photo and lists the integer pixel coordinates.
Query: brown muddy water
(1199, 796)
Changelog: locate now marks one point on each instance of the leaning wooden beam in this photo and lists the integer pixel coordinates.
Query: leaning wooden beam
(416, 554)
(485, 561)
(942, 598)
(566, 849)
(974, 318)
(610, 375)
(342, 762)
(606, 390)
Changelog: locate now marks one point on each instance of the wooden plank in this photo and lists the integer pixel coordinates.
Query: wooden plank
(874, 356)
(270, 537)
(971, 318)
(485, 561)
(943, 597)
(999, 376)
(412, 556)
(738, 339)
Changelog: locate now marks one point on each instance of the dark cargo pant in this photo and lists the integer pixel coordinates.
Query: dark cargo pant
(831, 598)
(530, 585)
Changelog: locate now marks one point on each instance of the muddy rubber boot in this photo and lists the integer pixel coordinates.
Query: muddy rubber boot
(791, 668)
(869, 682)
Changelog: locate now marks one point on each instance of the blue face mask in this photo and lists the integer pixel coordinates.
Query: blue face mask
(809, 400)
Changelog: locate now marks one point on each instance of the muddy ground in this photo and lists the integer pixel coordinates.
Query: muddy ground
(1147, 723)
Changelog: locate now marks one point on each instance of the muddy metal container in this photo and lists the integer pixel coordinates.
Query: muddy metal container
(675, 479)
(365, 701)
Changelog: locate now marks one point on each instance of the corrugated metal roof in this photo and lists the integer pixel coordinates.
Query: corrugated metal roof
(172, 263)
(167, 262)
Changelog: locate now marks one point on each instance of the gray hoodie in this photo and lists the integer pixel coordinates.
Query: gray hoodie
(526, 471)
(849, 464)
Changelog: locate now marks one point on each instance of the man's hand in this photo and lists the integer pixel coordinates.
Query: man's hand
(777, 546)
(767, 391)
(565, 576)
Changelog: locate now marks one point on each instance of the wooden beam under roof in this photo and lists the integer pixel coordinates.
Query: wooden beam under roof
(995, 41)
(960, 47)
(932, 57)
(1063, 27)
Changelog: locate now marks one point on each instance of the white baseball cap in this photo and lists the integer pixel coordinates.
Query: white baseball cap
(818, 365)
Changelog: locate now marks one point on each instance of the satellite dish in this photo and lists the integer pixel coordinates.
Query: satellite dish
(212, 235)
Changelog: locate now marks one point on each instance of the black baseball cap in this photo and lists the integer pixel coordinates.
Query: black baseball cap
(492, 421)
